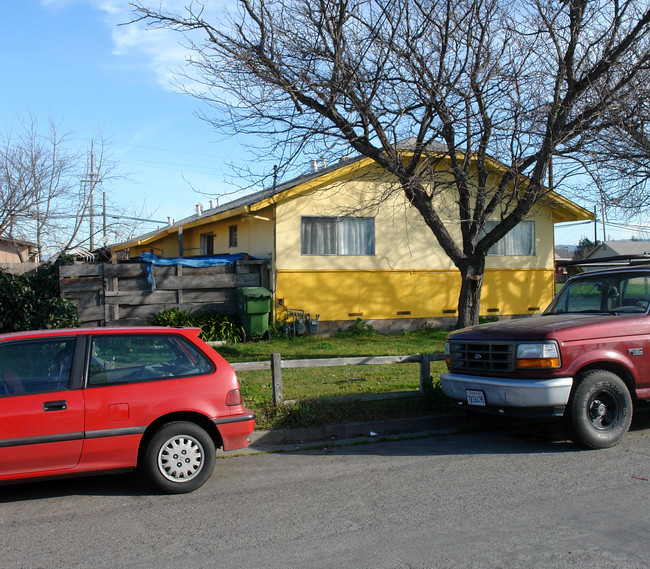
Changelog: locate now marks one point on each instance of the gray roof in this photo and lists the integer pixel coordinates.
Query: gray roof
(613, 248)
(18, 241)
(250, 199)
(562, 253)
(407, 144)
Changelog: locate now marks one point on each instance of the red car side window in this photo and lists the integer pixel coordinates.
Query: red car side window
(37, 365)
(129, 358)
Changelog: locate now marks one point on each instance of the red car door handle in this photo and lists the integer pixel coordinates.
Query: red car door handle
(55, 406)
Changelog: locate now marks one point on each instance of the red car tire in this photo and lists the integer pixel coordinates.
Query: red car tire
(179, 457)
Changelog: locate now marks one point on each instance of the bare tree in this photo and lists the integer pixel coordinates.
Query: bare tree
(47, 187)
(618, 156)
(503, 85)
(36, 174)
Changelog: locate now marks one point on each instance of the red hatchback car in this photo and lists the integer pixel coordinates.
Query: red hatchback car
(112, 399)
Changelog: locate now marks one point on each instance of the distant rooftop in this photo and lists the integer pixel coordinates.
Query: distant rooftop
(613, 248)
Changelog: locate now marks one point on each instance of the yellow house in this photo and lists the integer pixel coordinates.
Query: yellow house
(343, 243)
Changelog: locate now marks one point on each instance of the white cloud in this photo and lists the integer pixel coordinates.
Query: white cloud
(158, 50)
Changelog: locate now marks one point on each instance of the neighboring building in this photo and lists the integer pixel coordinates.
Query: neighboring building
(626, 248)
(562, 255)
(343, 243)
(17, 251)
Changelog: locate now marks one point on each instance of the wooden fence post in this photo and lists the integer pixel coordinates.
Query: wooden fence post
(425, 375)
(276, 374)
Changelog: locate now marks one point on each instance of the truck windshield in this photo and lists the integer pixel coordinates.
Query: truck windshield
(616, 293)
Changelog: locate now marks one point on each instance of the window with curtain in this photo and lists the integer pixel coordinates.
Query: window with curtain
(520, 240)
(337, 236)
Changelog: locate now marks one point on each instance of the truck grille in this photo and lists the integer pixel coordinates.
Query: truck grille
(482, 356)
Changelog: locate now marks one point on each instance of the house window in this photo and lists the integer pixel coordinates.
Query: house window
(520, 240)
(207, 243)
(232, 236)
(337, 236)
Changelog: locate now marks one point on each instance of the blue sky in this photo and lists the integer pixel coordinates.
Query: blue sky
(69, 59)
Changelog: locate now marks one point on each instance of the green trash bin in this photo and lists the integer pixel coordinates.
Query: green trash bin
(254, 303)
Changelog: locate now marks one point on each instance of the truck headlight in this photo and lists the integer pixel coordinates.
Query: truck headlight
(538, 355)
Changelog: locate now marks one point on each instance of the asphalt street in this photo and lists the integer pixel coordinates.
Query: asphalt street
(510, 498)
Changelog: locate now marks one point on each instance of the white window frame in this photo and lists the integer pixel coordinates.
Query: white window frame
(338, 236)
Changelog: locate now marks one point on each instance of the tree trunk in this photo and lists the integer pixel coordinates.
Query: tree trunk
(469, 301)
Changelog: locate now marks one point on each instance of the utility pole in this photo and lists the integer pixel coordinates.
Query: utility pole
(92, 197)
(105, 239)
(93, 182)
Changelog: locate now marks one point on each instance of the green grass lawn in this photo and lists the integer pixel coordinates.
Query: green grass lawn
(343, 344)
(308, 392)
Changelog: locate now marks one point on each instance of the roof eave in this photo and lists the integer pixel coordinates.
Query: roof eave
(563, 209)
(566, 210)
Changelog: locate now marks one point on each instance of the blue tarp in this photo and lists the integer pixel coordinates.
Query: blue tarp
(149, 260)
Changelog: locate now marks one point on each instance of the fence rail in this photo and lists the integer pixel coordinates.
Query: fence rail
(276, 364)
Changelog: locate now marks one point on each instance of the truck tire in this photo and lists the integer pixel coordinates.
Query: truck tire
(599, 412)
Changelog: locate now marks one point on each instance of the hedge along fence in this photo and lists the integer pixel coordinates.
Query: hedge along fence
(276, 364)
(120, 294)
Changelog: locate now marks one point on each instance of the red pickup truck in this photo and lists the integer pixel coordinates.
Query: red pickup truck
(586, 358)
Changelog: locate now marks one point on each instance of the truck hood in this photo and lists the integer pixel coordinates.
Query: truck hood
(562, 327)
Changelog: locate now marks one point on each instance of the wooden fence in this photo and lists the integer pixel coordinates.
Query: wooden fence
(120, 294)
(19, 268)
(276, 364)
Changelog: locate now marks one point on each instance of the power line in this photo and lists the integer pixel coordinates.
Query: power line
(169, 150)
(136, 218)
(617, 224)
(173, 167)
(111, 215)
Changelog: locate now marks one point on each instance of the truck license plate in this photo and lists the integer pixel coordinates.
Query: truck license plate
(475, 397)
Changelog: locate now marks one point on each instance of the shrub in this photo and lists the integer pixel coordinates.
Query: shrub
(215, 326)
(358, 328)
(33, 302)
(173, 317)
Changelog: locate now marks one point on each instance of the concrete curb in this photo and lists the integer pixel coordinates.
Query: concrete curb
(295, 439)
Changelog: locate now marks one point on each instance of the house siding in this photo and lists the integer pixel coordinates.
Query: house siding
(410, 276)
(371, 295)
(14, 251)
(254, 236)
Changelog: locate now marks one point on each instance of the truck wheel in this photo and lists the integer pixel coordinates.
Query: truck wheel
(599, 412)
(179, 457)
